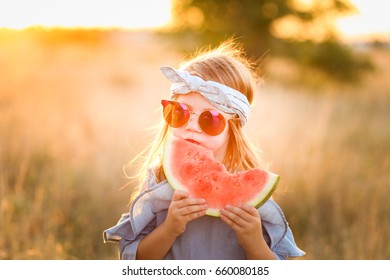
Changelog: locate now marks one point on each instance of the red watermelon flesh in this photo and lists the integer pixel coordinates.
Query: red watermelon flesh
(192, 168)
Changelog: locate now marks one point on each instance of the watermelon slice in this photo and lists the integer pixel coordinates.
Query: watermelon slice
(192, 168)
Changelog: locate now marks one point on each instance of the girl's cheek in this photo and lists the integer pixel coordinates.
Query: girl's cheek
(176, 132)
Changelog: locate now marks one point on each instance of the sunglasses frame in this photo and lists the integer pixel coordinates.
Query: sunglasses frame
(208, 116)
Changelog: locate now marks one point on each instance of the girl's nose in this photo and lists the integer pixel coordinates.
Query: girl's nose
(193, 123)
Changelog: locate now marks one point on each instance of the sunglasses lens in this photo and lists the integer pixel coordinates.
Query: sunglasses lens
(212, 122)
(175, 114)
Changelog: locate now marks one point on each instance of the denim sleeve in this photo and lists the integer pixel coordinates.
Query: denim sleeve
(287, 248)
(128, 248)
(277, 232)
(280, 257)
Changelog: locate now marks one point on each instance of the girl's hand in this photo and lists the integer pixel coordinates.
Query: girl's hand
(246, 222)
(183, 209)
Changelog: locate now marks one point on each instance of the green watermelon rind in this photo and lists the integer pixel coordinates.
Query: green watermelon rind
(257, 201)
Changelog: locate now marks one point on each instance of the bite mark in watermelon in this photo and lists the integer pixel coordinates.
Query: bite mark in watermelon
(192, 168)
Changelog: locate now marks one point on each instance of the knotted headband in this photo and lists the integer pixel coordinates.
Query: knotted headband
(222, 97)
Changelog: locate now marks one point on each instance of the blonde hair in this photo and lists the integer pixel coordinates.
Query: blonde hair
(228, 65)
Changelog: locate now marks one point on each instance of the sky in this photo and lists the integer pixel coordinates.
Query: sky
(133, 14)
(372, 20)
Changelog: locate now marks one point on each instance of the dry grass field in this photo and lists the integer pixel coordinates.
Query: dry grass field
(75, 107)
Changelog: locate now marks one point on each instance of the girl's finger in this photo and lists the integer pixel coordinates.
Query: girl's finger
(185, 198)
(195, 215)
(241, 213)
(250, 210)
(189, 209)
(228, 221)
(179, 195)
(234, 214)
(182, 205)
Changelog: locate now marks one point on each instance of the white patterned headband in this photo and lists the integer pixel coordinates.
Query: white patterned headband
(222, 97)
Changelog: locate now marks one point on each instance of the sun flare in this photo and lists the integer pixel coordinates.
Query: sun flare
(19, 14)
(370, 22)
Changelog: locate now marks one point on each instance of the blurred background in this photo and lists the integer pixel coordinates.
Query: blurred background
(80, 91)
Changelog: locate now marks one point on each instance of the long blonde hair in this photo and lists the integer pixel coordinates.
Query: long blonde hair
(226, 64)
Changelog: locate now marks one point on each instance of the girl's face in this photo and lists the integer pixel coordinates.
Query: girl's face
(192, 131)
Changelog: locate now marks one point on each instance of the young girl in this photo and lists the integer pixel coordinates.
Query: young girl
(209, 104)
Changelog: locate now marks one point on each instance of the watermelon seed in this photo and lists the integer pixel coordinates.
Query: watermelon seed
(196, 156)
(188, 154)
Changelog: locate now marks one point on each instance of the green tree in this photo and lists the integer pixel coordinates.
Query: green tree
(300, 29)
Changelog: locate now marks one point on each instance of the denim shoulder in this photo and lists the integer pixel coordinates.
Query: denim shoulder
(153, 197)
(278, 234)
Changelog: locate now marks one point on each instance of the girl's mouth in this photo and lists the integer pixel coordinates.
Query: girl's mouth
(192, 141)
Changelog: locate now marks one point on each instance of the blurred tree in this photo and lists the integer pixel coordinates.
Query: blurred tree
(300, 29)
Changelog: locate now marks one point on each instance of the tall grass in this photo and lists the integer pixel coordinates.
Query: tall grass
(332, 145)
(66, 131)
(73, 111)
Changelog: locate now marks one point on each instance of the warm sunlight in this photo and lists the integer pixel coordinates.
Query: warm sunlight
(132, 14)
(371, 21)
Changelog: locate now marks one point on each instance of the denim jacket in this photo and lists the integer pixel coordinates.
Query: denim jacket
(204, 238)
